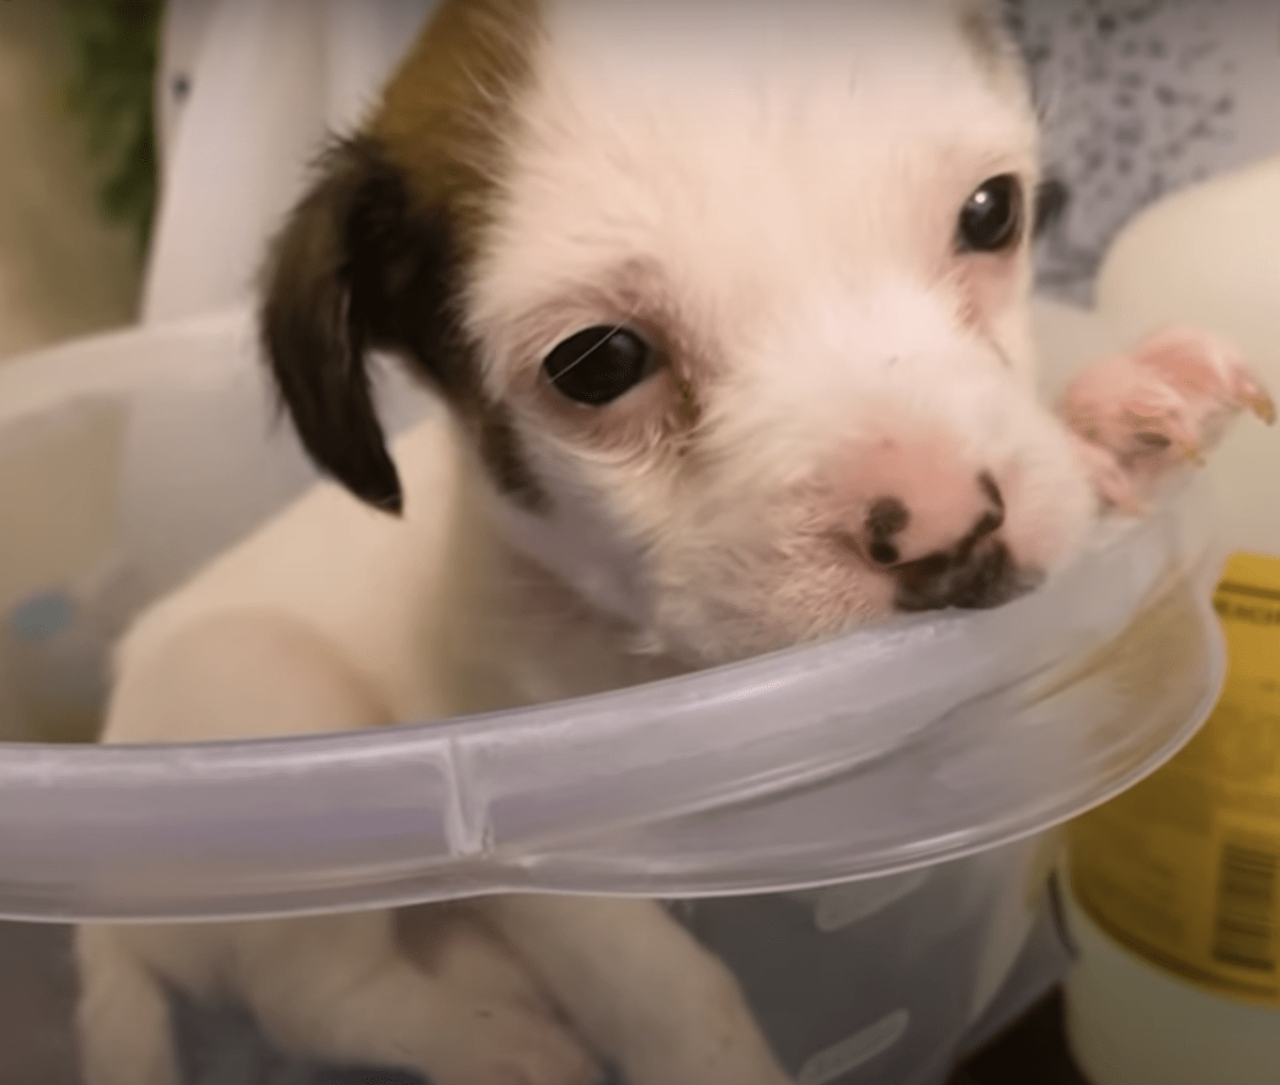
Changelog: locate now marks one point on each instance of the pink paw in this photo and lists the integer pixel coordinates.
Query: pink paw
(1139, 416)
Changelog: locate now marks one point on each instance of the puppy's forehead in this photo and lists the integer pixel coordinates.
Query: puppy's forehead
(727, 46)
(744, 132)
(851, 70)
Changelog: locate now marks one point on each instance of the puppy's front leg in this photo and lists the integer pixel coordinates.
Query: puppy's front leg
(337, 989)
(340, 988)
(123, 1026)
(639, 988)
(1141, 414)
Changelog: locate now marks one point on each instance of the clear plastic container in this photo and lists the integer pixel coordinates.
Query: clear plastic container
(861, 828)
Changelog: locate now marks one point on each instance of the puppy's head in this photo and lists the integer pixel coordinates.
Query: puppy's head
(732, 298)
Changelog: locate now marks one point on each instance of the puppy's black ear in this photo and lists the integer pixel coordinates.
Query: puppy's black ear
(327, 302)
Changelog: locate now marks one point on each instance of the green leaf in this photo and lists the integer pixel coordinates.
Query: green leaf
(115, 55)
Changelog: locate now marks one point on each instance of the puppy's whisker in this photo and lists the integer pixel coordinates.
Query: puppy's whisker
(488, 94)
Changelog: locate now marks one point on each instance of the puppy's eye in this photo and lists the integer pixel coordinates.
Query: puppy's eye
(596, 366)
(991, 220)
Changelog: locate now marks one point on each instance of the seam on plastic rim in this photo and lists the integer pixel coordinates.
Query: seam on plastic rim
(468, 831)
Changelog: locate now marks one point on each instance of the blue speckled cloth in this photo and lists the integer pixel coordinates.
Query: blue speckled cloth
(1139, 97)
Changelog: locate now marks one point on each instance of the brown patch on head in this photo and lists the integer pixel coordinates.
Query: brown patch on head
(991, 45)
(503, 457)
(375, 255)
(447, 114)
(445, 120)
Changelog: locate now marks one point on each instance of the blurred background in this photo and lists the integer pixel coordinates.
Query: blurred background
(77, 183)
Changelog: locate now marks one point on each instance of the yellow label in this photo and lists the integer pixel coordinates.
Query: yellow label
(1184, 869)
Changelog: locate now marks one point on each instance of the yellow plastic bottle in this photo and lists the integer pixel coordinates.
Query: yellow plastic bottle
(1174, 897)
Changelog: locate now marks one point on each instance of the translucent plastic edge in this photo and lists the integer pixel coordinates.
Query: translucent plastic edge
(274, 763)
(490, 882)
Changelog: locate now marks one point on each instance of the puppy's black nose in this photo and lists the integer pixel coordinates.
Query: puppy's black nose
(975, 577)
(886, 518)
(975, 573)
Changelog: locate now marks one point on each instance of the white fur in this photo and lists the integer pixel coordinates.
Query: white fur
(793, 174)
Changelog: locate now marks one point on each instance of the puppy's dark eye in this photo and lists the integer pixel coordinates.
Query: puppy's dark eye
(598, 365)
(991, 220)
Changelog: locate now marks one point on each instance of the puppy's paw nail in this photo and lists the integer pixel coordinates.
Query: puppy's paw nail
(1247, 392)
(1165, 404)
(1168, 434)
(1260, 404)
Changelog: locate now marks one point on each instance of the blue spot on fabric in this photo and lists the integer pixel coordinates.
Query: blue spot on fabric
(42, 617)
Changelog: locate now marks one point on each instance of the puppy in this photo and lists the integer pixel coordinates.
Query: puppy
(728, 305)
